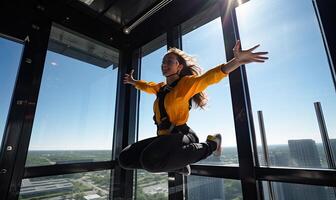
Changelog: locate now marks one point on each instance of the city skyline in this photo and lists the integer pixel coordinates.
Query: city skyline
(298, 155)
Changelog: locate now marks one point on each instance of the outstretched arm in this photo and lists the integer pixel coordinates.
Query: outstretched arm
(216, 74)
(242, 57)
(149, 87)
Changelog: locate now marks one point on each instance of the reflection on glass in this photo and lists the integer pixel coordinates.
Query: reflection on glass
(290, 191)
(10, 52)
(286, 87)
(206, 43)
(200, 188)
(75, 113)
(90, 185)
(150, 186)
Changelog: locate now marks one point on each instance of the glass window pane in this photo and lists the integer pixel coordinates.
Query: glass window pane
(74, 119)
(9, 67)
(200, 188)
(151, 186)
(207, 45)
(150, 71)
(287, 85)
(291, 191)
(90, 185)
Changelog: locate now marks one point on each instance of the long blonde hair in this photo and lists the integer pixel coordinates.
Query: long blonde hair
(190, 67)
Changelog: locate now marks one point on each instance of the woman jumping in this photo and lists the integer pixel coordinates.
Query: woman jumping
(176, 145)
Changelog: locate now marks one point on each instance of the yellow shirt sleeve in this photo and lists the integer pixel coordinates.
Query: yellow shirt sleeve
(149, 87)
(196, 84)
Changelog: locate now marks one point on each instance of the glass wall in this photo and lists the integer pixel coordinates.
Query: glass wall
(206, 44)
(200, 187)
(150, 71)
(90, 185)
(150, 185)
(10, 52)
(291, 191)
(74, 118)
(286, 87)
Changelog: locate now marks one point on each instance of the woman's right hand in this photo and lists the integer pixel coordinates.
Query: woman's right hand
(128, 78)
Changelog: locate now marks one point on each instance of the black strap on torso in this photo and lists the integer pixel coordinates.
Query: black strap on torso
(165, 122)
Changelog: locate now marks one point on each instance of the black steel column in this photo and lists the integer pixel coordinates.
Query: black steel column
(125, 126)
(245, 136)
(174, 37)
(325, 11)
(22, 109)
(175, 181)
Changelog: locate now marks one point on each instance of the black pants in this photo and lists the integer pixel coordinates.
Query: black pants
(166, 153)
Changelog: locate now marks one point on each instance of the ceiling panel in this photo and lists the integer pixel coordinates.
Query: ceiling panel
(120, 11)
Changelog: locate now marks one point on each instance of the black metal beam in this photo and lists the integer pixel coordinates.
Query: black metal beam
(228, 172)
(58, 169)
(121, 177)
(241, 109)
(174, 37)
(326, 16)
(324, 177)
(175, 181)
(125, 125)
(22, 109)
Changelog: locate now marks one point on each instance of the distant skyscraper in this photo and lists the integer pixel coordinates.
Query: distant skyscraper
(280, 158)
(304, 154)
(201, 188)
(333, 147)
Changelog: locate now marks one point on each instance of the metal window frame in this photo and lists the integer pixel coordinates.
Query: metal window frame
(241, 104)
(22, 108)
(175, 181)
(126, 125)
(324, 15)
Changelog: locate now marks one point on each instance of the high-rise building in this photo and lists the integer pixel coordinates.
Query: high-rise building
(304, 153)
(279, 158)
(333, 147)
(200, 188)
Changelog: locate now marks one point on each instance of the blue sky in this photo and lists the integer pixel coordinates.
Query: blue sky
(76, 102)
(11, 51)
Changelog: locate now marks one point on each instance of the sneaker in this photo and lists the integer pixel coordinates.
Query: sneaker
(218, 139)
(186, 171)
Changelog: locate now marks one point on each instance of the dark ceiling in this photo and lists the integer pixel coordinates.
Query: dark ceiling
(119, 11)
(104, 20)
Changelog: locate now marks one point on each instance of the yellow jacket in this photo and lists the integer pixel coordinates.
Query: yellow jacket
(176, 102)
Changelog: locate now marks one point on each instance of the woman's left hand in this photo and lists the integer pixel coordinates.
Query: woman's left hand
(247, 56)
